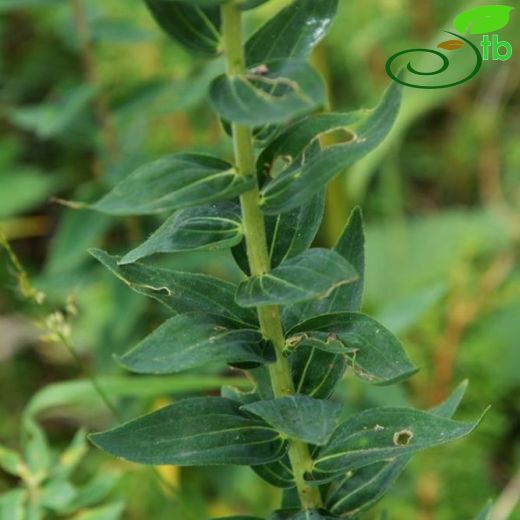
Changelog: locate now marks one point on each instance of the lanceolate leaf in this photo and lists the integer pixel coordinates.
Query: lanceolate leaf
(292, 33)
(384, 433)
(174, 182)
(284, 89)
(360, 489)
(316, 372)
(351, 246)
(373, 352)
(180, 291)
(194, 432)
(299, 417)
(196, 27)
(312, 274)
(293, 187)
(483, 19)
(192, 340)
(209, 227)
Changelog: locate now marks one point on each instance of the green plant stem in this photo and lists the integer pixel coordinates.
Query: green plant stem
(257, 252)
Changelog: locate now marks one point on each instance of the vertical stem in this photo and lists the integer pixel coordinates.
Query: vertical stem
(254, 230)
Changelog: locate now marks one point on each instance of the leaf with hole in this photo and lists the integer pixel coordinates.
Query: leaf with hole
(299, 182)
(287, 89)
(312, 274)
(299, 417)
(180, 291)
(359, 490)
(174, 182)
(194, 432)
(192, 340)
(380, 434)
(213, 227)
(372, 351)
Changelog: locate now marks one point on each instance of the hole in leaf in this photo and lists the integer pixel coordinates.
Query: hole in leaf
(336, 136)
(403, 437)
(279, 165)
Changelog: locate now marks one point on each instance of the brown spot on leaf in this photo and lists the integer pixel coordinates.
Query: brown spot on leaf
(450, 45)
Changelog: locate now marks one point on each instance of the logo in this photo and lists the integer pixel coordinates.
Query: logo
(477, 21)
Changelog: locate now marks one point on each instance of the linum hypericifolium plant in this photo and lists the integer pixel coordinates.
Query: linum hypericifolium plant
(294, 322)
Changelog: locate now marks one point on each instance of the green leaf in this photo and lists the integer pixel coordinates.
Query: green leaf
(316, 372)
(483, 19)
(72, 456)
(383, 433)
(23, 189)
(277, 473)
(284, 89)
(312, 274)
(278, 39)
(12, 505)
(288, 234)
(75, 232)
(299, 417)
(174, 182)
(359, 490)
(194, 27)
(53, 118)
(351, 246)
(485, 513)
(305, 175)
(10, 461)
(36, 450)
(57, 494)
(292, 233)
(194, 432)
(204, 228)
(180, 291)
(372, 351)
(193, 340)
(96, 490)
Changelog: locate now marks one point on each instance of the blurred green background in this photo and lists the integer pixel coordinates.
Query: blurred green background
(91, 89)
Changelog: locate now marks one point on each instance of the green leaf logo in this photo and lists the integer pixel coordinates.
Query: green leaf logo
(481, 20)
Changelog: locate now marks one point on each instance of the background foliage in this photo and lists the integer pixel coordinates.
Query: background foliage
(91, 89)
